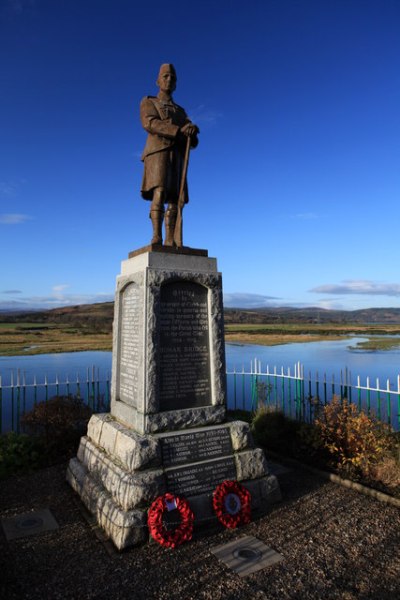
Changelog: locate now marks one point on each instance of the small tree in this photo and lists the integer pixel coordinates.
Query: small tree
(354, 440)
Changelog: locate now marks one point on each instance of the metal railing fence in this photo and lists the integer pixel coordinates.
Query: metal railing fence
(296, 393)
(21, 395)
(300, 395)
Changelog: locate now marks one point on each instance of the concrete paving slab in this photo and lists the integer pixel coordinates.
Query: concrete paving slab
(246, 555)
(31, 523)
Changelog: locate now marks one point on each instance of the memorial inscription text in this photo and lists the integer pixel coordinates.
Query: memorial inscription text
(130, 344)
(200, 478)
(184, 375)
(195, 446)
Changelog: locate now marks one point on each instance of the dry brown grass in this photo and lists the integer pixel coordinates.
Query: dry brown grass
(18, 341)
(386, 472)
(276, 339)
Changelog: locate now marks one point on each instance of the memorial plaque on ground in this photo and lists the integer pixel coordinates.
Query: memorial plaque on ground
(195, 446)
(184, 375)
(199, 478)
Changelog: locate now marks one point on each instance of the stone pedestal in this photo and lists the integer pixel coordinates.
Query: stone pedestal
(167, 430)
(168, 367)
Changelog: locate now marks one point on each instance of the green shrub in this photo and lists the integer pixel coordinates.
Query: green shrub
(19, 454)
(59, 422)
(272, 429)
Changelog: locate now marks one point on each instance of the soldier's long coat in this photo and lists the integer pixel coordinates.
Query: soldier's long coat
(164, 152)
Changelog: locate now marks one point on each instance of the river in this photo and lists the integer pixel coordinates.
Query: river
(330, 358)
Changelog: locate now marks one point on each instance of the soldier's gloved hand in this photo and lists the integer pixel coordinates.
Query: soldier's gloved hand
(189, 130)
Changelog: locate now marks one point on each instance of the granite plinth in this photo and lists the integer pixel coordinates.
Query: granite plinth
(119, 472)
(167, 428)
(168, 367)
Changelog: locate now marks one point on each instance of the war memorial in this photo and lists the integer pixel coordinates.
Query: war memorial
(166, 461)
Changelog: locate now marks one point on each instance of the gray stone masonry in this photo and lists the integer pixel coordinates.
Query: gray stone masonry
(119, 472)
(136, 390)
(167, 429)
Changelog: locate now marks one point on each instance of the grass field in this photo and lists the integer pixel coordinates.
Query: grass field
(34, 338)
(271, 335)
(46, 338)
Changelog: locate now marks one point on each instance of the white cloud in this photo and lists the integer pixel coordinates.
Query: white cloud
(330, 304)
(7, 189)
(243, 300)
(49, 302)
(359, 286)
(60, 288)
(13, 218)
(201, 115)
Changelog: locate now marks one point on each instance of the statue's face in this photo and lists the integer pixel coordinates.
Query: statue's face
(167, 81)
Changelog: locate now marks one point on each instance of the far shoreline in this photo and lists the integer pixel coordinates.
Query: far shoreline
(368, 344)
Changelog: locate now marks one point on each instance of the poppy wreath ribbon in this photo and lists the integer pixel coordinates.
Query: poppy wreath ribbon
(232, 504)
(173, 537)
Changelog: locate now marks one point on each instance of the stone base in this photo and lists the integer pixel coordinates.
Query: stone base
(168, 250)
(168, 368)
(169, 419)
(119, 472)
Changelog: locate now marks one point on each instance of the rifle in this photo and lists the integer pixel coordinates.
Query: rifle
(181, 200)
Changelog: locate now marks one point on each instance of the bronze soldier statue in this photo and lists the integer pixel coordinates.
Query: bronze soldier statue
(168, 128)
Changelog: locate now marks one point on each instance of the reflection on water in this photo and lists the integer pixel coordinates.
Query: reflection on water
(329, 357)
(318, 358)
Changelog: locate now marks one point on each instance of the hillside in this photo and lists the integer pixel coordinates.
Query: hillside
(312, 315)
(94, 317)
(99, 317)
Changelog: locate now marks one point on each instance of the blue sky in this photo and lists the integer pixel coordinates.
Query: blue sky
(295, 185)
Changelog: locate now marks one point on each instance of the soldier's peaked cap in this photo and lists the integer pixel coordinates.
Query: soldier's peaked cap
(167, 68)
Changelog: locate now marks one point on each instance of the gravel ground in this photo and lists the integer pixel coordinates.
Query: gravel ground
(336, 543)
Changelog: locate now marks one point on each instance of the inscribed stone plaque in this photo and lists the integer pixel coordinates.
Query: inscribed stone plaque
(200, 478)
(129, 358)
(184, 374)
(195, 446)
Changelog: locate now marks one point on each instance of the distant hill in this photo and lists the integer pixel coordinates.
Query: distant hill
(99, 317)
(94, 317)
(312, 315)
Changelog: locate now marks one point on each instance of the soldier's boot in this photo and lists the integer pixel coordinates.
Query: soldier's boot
(156, 216)
(170, 220)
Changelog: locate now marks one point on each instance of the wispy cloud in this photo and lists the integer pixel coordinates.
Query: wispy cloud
(306, 216)
(11, 292)
(61, 287)
(13, 218)
(17, 7)
(202, 115)
(58, 291)
(7, 188)
(330, 304)
(243, 300)
(53, 301)
(359, 286)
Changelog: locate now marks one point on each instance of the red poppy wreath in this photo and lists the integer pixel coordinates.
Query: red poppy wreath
(170, 538)
(232, 504)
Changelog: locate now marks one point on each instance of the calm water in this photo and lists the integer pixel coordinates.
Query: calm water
(324, 357)
(330, 357)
